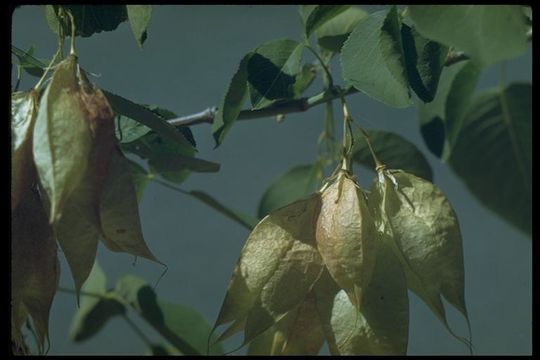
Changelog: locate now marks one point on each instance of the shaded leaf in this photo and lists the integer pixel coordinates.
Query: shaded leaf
(424, 61)
(296, 183)
(372, 59)
(118, 211)
(89, 19)
(332, 34)
(232, 102)
(94, 311)
(35, 270)
(382, 326)
(493, 152)
(277, 267)
(185, 329)
(245, 220)
(392, 150)
(174, 163)
(140, 178)
(26, 62)
(128, 130)
(487, 33)
(304, 79)
(441, 120)
(346, 237)
(418, 222)
(320, 15)
(139, 17)
(271, 71)
(23, 116)
(162, 350)
(147, 117)
(62, 137)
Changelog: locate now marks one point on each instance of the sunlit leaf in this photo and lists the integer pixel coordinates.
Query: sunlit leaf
(296, 183)
(346, 237)
(278, 265)
(232, 102)
(372, 59)
(424, 60)
(332, 34)
(89, 19)
(487, 33)
(320, 15)
(271, 71)
(139, 17)
(493, 152)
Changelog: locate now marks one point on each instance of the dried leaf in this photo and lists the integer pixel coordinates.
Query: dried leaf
(381, 328)
(119, 212)
(62, 138)
(23, 115)
(346, 237)
(35, 270)
(420, 225)
(277, 268)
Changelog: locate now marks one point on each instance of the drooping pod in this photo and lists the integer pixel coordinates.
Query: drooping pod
(346, 236)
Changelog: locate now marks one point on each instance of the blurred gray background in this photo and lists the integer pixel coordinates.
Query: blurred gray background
(188, 59)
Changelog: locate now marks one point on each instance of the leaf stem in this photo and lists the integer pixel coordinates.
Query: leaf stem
(324, 66)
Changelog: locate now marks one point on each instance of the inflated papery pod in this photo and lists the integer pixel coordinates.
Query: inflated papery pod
(420, 225)
(382, 325)
(277, 268)
(35, 269)
(346, 236)
(24, 107)
(299, 332)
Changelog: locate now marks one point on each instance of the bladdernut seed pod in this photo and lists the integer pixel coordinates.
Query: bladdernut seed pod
(346, 236)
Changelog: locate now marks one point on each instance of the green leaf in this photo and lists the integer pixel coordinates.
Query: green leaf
(247, 221)
(160, 349)
(174, 162)
(24, 107)
(139, 17)
(128, 130)
(493, 152)
(35, 269)
(298, 182)
(424, 60)
(271, 71)
(382, 326)
(304, 79)
(346, 237)
(441, 120)
(185, 329)
(62, 137)
(332, 34)
(393, 151)
(277, 267)
(232, 102)
(89, 19)
(26, 61)
(140, 178)
(372, 59)
(418, 222)
(320, 15)
(487, 33)
(118, 211)
(94, 311)
(147, 117)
